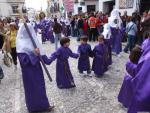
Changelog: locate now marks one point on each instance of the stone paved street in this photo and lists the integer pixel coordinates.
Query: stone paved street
(92, 95)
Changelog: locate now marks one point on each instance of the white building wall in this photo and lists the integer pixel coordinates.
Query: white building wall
(76, 6)
(5, 8)
(100, 5)
(84, 7)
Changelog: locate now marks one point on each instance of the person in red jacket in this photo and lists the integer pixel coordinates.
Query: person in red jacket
(85, 26)
(98, 23)
(105, 19)
(93, 29)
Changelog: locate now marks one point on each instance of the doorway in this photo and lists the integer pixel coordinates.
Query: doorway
(108, 6)
(91, 8)
(145, 5)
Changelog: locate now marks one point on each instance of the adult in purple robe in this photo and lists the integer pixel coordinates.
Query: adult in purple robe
(50, 35)
(140, 101)
(126, 91)
(42, 26)
(32, 74)
(99, 62)
(84, 62)
(115, 24)
(64, 76)
(146, 44)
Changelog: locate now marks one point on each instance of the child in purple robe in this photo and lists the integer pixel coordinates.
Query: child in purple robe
(126, 91)
(64, 76)
(100, 57)
(85, 52)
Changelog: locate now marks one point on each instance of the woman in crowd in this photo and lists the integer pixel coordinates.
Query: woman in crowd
(131, 31)
(2, 34)
(10, 43)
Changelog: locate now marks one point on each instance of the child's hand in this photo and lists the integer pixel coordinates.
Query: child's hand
(37, 51)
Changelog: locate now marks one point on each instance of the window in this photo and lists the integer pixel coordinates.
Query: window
(123, 4)
(15, 9)
(91, 8)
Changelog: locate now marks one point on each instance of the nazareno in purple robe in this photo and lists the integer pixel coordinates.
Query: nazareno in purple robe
(126, 91)
(33, 81)
(64, 76)
(146, 44)
(42, 25)
(100, 60)
(84, 62)
(50, 33)
(116, 40)
(141, 96)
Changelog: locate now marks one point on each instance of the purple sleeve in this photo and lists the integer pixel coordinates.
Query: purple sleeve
(73, 55)
(131, 68)
(96, 53)
(46, 60)
(54, 56)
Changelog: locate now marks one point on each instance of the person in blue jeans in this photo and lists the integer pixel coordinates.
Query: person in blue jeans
(131, 31)
(57, 28)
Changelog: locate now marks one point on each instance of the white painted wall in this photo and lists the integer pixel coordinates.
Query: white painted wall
(100, 5)
(76, 6)
(84, 8)
(129, 11)
(5, 8)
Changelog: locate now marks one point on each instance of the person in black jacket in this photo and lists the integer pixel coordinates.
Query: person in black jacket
(73, 27)
(80, 27)
(57, 28)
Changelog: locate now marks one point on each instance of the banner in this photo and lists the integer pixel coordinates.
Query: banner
(68, 5)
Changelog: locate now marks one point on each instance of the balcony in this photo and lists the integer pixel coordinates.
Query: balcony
(80, 1)
(76, 1)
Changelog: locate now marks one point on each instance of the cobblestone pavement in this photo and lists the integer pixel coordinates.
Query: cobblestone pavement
(92, 95)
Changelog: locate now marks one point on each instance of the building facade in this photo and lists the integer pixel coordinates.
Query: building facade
(131, 5)
(82, 6)
(9, 7)
(107, 6)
